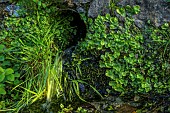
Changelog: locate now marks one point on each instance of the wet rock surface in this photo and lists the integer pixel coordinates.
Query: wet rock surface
(156, 11)
(98, 7)
(7, 9)
(3, 1)
(2, 7)
(111, 104)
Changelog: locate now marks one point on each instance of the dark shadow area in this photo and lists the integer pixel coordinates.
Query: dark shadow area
(78, 24)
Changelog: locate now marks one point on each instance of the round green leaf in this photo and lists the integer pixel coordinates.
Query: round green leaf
(44, 5)
(116, 54)
(102, 42)
(2, 58)
(108, 16)
(9, 71)
(2, 76)
(10, 77)
(136, 9)
(39, 3)
(17, 75)
(16, 82)
(2, 85)
(2, 91)
(1, 47)
(121, 11)
(131, 55)
(1, 70)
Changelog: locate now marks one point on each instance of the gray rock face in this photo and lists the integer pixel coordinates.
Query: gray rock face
(157, 11)
(81, 1)
(81, 5)
(2, 1)
(98, 7)
(93, 7)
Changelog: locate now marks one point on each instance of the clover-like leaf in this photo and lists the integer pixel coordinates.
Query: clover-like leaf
(102, 42)
(131, 55)
(108, 16)
(2, 77)
(1, 47)
(10, 77)
(16, 82)
(2, 58)
(17, 75)
(2, 91)
(1, 70)
(116, 54)
(2, 85)
(136, 9)
(110, 74)
(139, 76)
(121, 11)
(9, 71)
(112, 83)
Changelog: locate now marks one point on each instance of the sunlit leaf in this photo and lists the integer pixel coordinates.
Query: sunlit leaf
(121, 11)
(9, 71)
(136, 9)
(108, 16)
(1, 47)
(2, 91)
(10, 77)
(2, 76)
(1, 70)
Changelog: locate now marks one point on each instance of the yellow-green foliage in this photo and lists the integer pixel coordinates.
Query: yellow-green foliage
(32, 41)
(135, 60)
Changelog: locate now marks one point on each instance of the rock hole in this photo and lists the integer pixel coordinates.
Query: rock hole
(78, 24)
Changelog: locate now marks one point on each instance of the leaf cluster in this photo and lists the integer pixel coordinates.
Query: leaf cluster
(135, 62)
(7, 75)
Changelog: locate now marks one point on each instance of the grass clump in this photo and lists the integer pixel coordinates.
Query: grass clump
(35, 43)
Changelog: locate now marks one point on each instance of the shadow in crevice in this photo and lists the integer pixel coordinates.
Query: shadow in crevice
(78, 24)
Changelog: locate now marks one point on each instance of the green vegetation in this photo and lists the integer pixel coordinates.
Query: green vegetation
(114, 52)
(135, 62)
(6, 74)
(29, 46)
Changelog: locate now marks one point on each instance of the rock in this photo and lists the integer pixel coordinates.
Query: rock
(93, 7)
(80, 10)
(157, 11)
(2, 11)
(139, 23)
(81, 5)
(12, 10)
(3, 1)
(98, 7)
(77, 2)
(125, 108)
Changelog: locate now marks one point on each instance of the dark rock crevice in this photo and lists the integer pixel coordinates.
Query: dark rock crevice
(78, 25)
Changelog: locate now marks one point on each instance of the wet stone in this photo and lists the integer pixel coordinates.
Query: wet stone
(98, 7)
(157, 11)
(3, 1)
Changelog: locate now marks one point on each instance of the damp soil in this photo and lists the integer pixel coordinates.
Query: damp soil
(109, 104)
(2, 11)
